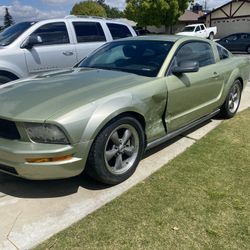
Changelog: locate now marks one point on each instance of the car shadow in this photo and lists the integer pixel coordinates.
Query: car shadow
(22, 188)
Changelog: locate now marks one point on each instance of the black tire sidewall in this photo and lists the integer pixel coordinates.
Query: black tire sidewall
(5, 79)
(225, 109)
(96, 160)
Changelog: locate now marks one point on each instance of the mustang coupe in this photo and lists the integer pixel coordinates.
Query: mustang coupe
(128, 96)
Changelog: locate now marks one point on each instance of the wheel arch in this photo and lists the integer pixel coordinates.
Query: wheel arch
(9, 74)
(107, 111)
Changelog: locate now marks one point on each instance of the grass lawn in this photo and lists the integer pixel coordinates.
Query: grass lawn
(200, 200)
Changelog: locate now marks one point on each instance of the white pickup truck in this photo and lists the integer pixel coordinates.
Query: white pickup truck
(199, 30)
(30, 48)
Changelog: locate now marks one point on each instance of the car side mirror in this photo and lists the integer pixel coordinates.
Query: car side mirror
(186, 67)
(31, 41)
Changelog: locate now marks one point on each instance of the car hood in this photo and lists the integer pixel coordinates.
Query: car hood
(39, 98)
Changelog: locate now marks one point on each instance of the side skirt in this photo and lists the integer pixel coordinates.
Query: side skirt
(180, 131)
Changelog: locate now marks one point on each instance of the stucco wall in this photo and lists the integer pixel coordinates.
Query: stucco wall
(229, 26)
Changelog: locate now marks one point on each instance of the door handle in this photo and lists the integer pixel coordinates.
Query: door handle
(216, 75)
(68, 53)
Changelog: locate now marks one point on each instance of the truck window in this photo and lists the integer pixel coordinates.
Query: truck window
(10, 34)
(118, 30)
(202, 27)
(196, 51)
(197, 28)
(89, 32)
(52, 34)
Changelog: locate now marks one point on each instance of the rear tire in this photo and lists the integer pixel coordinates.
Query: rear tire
(232, 103)
(248, 50)
(211, 36)
(116, 151)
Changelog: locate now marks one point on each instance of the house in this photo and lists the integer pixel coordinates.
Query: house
(232, 17)
(189, 17)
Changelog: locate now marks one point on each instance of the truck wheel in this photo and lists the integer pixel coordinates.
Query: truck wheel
(248, 50)
(116, 151)
(211, 36)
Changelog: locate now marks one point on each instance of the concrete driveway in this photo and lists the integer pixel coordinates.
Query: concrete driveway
(32, 211)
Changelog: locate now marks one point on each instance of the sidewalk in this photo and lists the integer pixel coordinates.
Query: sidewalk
(31, 212)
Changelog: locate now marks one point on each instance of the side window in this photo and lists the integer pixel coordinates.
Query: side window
(89, 32)
(244, 36)
(202, 27)
(197, 28)
(195, 51)
(232, 38)
(118, 30)
(52, 34)
(222, 53)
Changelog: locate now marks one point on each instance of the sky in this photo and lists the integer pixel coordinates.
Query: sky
(42, 9)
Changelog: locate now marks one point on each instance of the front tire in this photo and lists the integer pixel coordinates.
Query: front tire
(116, 151)
(232, 103)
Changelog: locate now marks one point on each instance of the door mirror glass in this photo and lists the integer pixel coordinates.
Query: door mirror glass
(186, 67)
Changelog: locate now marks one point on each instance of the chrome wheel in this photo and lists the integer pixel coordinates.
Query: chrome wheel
(234, 98)
(121, 149)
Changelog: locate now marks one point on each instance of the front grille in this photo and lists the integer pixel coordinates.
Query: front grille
(8, 130)
(8, 169)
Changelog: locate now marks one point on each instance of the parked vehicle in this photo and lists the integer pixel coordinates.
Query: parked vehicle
(141, 31)
(237, 42)
(30, 48)
(128, 96)
(199, 30)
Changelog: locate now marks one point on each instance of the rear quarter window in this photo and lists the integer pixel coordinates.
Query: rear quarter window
(119, 31)
(222, 53)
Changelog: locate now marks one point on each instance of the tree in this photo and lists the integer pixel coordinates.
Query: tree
(157, 13)
(111, 11)
(8, 20)
(88, 8)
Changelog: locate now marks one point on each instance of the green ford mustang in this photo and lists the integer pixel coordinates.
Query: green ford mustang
(128, 96)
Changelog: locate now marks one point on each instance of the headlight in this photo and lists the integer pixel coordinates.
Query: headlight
(46, 133)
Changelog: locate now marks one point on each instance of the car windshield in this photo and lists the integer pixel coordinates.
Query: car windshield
(138, 57)
(188, 29)
(10, 34)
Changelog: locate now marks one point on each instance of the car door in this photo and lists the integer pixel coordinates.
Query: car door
(198, 31)
(203, 31)
(243, 42)
(192, 95)
(54, 50)
(232, 42)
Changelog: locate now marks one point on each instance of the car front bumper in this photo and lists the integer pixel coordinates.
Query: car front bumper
(14, 155)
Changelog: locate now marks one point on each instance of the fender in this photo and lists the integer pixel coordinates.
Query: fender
(104, 113)
(12, 68)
